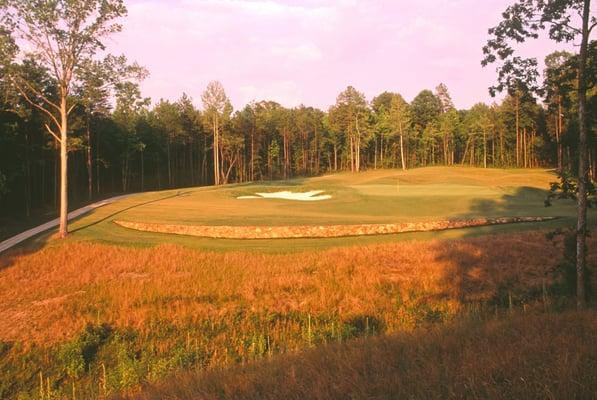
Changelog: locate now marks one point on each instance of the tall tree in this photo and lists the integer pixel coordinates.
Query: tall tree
(216, 108)
(168, 121)
(443, 94)
(97, 80)
(558, 87)
(425, 109)
(523, 20)
(448, 123)
(381, 106)
(349, 116)
(129, 108)
(400, 119)
(447, 105)
(479, 124)
(191, 127)
(63, 35)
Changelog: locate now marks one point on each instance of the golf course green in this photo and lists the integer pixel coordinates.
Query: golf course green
(371, 197)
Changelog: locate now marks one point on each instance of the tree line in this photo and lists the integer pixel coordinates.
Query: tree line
(135, 146)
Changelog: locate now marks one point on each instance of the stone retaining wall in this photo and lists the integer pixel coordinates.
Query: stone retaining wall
(319, 231)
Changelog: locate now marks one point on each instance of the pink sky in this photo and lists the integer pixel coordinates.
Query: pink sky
(294, 51)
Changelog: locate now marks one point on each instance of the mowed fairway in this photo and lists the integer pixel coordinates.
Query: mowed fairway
(382, 196)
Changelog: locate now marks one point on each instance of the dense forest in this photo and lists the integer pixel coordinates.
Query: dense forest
(119, 141)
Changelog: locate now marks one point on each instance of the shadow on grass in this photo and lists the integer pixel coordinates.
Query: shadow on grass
(41, 240)
(29, 246)
(107, 217)
(472, 275)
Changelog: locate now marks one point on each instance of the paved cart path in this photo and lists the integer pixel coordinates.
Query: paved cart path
(13, 241)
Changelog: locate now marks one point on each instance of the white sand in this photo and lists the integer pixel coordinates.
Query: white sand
(313, 195)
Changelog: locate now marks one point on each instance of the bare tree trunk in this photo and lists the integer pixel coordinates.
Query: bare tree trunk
(252, 155)
(581, 229)
(375, 155)
(216, 152)
(358, 153)
(63, 231)
(89, 159)
(191, 165)
(317, 155)
(525, 147)
(285, 151)
(381, 151)
(517, 132)
(358, 145)
(532, 149)
(335, 156)
(143, 170)
(502, 161)
(158, 172)
(484, 149)
(351, 153)
(27, 177)
(592, 165)
(493, 148)
(402, 150)
(204, 161)
(304, 145)
(169, 164)
(97, 164)
(559, 136)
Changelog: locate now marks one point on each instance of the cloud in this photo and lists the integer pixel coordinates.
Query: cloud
(298, 52)
(286, 93)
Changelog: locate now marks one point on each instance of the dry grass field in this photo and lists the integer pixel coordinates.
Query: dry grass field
(50, 295)
(103, 318)
(520, 357)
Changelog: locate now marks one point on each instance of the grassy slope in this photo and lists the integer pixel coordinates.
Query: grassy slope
(370, 197)
(155, 311)
(521, 357)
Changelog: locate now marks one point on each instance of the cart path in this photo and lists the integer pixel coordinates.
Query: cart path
(13, 241)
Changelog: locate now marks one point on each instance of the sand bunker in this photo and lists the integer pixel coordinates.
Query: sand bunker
(313, 195)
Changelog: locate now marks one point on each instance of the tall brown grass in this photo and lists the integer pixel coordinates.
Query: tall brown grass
(48, 296)
(102, 318)
(521, 357)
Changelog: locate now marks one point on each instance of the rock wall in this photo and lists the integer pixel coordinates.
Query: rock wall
(319, 231)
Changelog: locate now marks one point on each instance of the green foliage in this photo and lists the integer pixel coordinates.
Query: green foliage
(523, 20)
(566, 283)
(567, 188)
(426, 107)
(350, 110)
(71, 357)
(274, 150)
(3, 184)
(130, 356)
(77, 354)
(127, 367)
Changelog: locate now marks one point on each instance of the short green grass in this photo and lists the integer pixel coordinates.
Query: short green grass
(381, 196)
